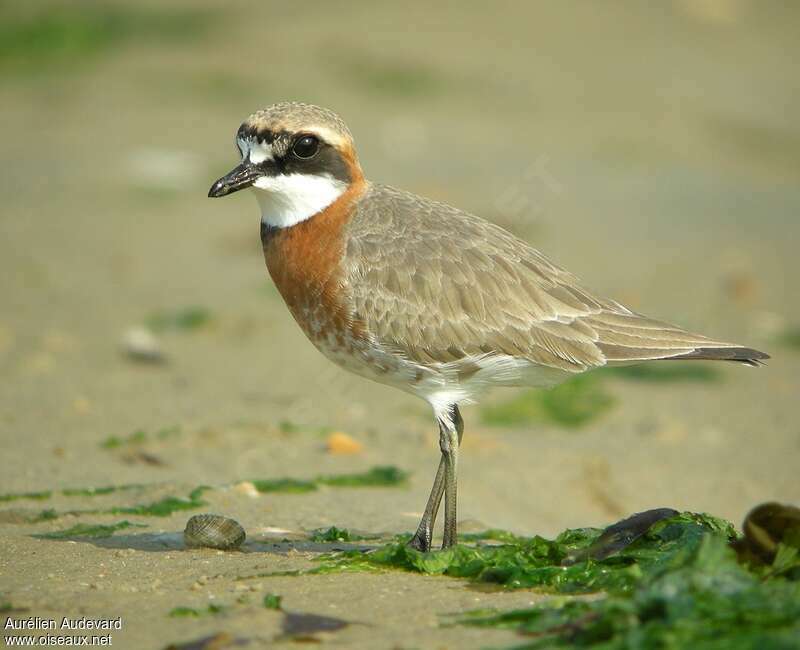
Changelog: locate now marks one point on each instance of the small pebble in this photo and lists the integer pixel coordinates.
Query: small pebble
(248, 489)
(140, 344)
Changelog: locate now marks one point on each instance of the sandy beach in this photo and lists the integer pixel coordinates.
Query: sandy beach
(654, 153)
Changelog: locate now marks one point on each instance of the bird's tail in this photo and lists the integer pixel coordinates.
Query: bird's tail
(747, 356)
(627, 337)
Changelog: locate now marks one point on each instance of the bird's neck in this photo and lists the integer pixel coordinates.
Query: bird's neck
(313, 243)
(305, 260)
(288, 199)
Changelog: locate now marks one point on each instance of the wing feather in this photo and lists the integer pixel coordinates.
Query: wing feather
(440, 285)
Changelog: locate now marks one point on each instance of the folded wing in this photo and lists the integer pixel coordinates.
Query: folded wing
(439, 285)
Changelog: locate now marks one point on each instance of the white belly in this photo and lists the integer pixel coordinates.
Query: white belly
(438, 383)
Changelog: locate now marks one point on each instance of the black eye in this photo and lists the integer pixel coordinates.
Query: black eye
(305, 147)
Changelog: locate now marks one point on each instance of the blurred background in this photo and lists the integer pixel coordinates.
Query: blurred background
(651, 148)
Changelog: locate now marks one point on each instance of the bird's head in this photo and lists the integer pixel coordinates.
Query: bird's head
(297, 158)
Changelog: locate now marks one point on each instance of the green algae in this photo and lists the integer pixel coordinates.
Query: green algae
(693, 584)
(35, 496)
(701, 598)
(558, 565)
(60, 38)
(288, 485)
(184, 612)
(491, 535)
(385, 476)
(89, 492)
(272, 601)
(184, 319)
(287, 426)
(334, 534)
(570, 405)
(101, 490)
(585, 397)
(671, 580)
(97, 531)
(163, 507)
(664, 372)
(666, 580)
(192, 612)
(71, 492)
(139, 437)
(135, 438)
(48, 514)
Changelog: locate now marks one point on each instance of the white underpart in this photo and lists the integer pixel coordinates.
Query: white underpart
(442, 388)
(441, 384)
(287, 199)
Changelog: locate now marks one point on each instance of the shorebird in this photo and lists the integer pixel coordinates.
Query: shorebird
(420, 295)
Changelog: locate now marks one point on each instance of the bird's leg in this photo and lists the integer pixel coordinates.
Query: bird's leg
(449, 440)
(424, 536)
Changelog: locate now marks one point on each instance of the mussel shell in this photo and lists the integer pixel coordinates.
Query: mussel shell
(620, 535)
(765, 527)
(213, 531)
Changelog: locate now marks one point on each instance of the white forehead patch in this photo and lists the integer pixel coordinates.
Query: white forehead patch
(287, 199)
(257, 151)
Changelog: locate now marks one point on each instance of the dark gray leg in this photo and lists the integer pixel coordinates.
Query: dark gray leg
(449, 442)
(450, 435)
(424, 536)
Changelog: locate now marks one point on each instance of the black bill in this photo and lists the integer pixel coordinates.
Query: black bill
(239, 178)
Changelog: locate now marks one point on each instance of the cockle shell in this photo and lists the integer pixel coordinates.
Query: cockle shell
(213, 531)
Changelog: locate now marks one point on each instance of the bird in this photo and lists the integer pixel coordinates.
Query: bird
(419, 295)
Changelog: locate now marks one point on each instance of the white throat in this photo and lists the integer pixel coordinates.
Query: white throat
(289, 199)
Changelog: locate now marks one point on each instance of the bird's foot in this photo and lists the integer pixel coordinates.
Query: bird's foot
(420, 542)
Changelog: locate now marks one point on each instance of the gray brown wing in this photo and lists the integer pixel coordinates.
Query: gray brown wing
(439, 285)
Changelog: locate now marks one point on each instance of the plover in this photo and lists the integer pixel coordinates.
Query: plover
(420, 295)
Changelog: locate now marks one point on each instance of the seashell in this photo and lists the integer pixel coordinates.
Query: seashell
(619, 536)
(213, 531)
(765, 528)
